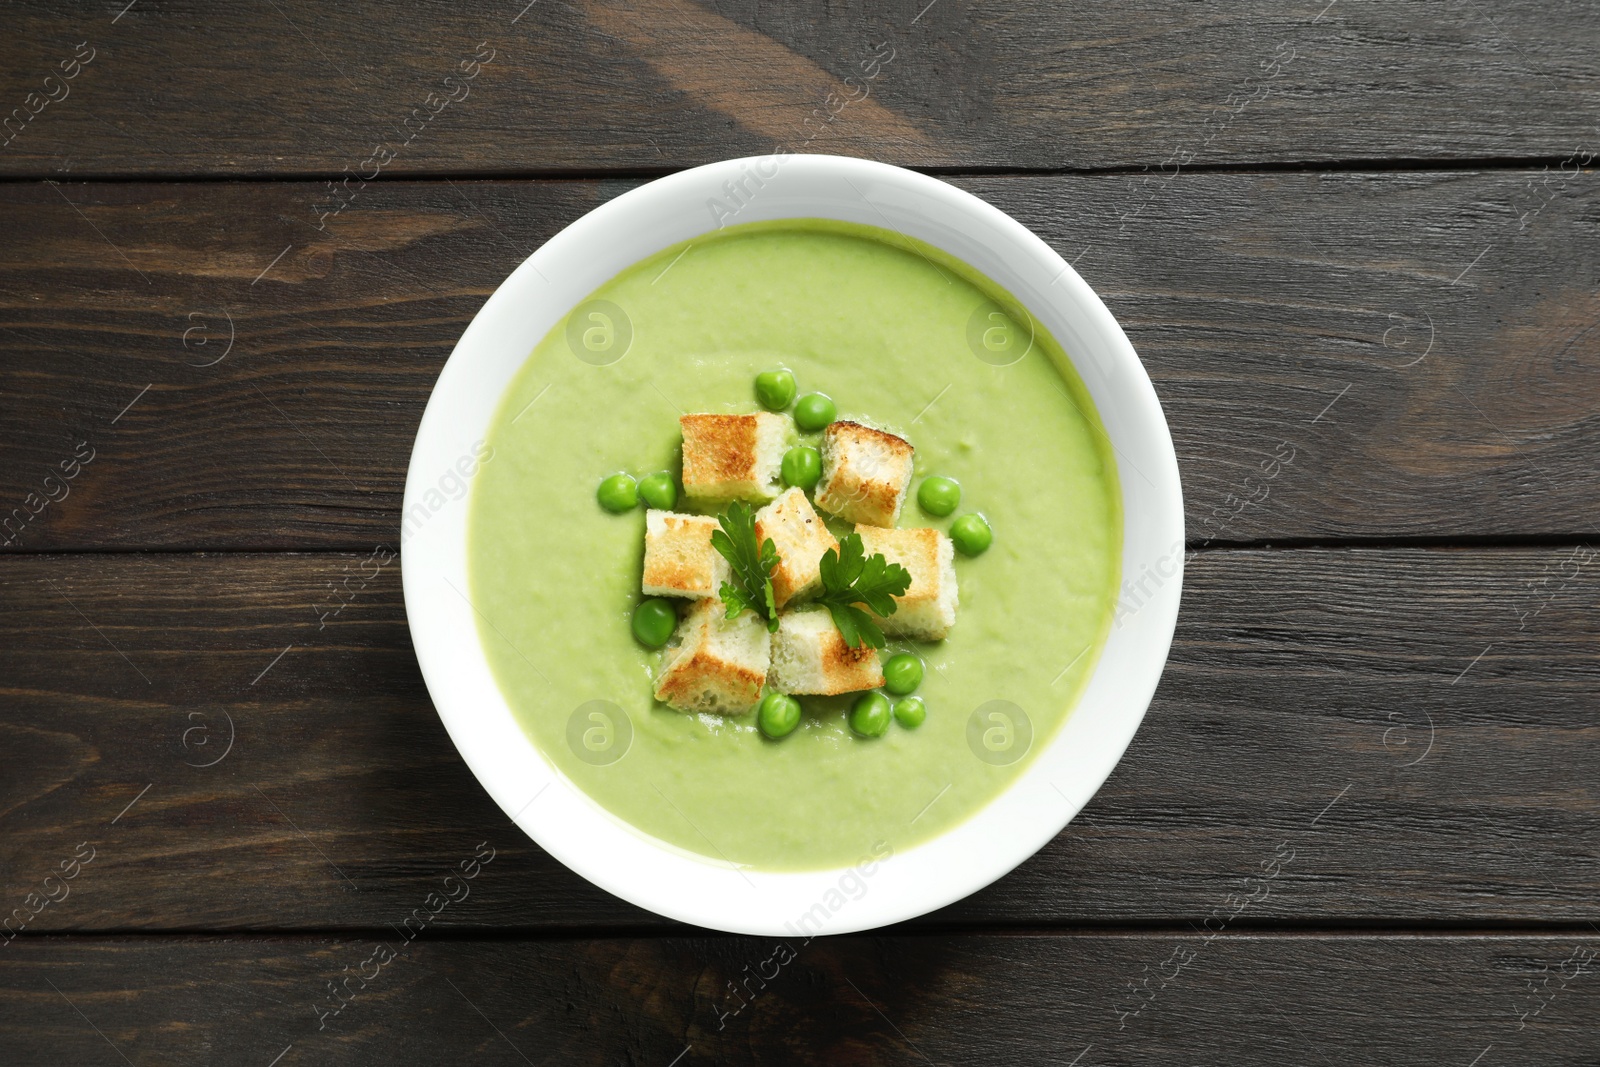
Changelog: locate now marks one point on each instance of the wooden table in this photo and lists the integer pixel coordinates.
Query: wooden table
(1355, 244)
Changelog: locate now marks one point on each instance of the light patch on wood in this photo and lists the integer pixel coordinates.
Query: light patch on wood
(43, 761)
(1551, 364)
(1520, 407)
(754, 80)
(160, 244)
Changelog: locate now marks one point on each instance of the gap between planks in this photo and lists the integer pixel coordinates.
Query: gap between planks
(1315, 930)
(1422, 165)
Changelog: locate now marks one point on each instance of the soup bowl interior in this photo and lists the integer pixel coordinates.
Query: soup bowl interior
(1067, 768)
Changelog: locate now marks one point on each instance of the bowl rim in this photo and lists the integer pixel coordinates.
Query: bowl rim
(558, 815)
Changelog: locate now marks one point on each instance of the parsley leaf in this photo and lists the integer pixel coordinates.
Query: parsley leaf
(851, 577)
(752, 564)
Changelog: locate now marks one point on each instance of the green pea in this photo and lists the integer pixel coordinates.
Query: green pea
(778, 715)
(618, 493)
(814, 411)
(910, 712)
(939, 495)
(775, 389)
(654, 620)
(658, 490)
(902, 674)
(802, 466)
(971, 534)
(870, 715)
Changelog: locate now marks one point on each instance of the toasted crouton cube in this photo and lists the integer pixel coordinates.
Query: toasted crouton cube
(865, 473)
(809, 656)
(801, 537)
(678, 557)
(928, 608)
(733, 457)
(719, 664)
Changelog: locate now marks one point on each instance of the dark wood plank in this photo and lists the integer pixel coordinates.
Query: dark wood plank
(1421, 348)
(1364, 713)
(603, 84)
(1242, 1000)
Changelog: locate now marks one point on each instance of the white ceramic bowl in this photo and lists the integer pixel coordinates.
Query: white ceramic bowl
(1070, 767)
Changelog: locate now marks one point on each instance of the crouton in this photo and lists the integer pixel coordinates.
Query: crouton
(719, 664)
(809, 656)
(733, 457)
(928, 608)
(801, 538)
(678, 557)
(865, 473)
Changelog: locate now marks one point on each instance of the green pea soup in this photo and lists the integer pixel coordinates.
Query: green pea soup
(899, 334)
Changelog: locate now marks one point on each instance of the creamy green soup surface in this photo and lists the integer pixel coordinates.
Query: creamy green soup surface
(899, 335)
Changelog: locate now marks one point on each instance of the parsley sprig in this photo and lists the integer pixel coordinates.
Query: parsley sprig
(851, 577)
(752, 563)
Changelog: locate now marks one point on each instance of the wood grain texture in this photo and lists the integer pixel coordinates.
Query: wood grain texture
(1415, 729)
(1421, 350)
(1360, 815)
(181, 87)
(1242, 1000)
